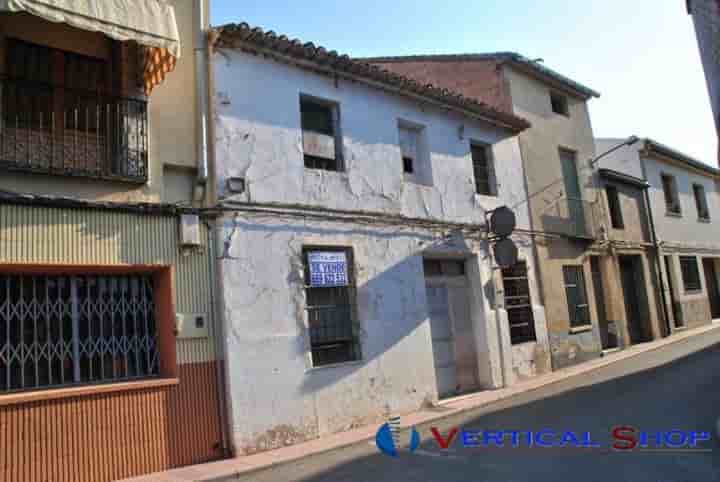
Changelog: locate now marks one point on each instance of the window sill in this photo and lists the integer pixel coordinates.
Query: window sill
(703, 220)
(334, 365)
(89, 390)
(673, 214)
(580, 329)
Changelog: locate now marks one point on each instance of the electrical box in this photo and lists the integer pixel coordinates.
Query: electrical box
(192, 325)
(190, 230)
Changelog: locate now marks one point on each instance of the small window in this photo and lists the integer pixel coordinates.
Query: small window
(321, 139)
(576, 292)
(518, 303)
(330, 295)
(483, 169)
(409, 148)
(672, 201)
(616, 219)
(446, 267)
(559, 104)
(690, 273)
(701, 202)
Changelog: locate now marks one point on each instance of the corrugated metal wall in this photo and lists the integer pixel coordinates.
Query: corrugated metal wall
(113, 435)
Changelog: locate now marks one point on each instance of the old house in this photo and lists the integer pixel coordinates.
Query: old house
(683, 200)
(108, 354)
(557, 151)
(358, 277)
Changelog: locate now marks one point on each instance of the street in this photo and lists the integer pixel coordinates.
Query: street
(675, 388)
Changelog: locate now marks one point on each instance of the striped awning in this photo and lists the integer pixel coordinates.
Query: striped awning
(150, 23)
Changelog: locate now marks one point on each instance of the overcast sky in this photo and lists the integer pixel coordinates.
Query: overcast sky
(641, 55)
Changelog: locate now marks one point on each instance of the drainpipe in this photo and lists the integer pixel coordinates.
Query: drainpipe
(656, 246)
(202, 97)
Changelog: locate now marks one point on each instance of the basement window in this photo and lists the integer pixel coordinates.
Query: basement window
(613, 199)
(330, 295)
(518, 303)
(321, 134)
(690, 274)
(559, 104)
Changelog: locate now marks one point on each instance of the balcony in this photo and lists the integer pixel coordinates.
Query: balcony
(49, 129)
(575, 218)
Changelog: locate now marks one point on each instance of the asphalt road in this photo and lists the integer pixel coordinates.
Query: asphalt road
(676, 387)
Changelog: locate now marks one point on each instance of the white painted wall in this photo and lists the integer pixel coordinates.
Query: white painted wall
(277, 396)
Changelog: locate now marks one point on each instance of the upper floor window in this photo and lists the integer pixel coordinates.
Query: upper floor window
(484, 170)
(320, 121)
(330, 295)
(701, 202)
(414, 152)
(559, 104)
(61, 115)
(613, 198)
(672, 200)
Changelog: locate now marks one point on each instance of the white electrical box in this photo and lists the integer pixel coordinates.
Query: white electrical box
(192, 325)
(190, 230)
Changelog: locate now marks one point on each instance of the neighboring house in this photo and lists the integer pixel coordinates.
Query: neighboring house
(98, 381)
(706, 19)
(556, 151)
(685, 205)
(358, 278)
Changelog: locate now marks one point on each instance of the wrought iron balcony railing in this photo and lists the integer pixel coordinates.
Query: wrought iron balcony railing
(56, 130)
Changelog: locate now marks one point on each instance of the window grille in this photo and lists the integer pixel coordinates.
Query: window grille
(331, 315)
(576, 292)
(70, 330)
(518, 303)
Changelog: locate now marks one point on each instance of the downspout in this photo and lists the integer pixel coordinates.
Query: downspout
(202, 98)
(656, 246)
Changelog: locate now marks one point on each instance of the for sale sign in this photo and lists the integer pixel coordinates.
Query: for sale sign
(328, 269)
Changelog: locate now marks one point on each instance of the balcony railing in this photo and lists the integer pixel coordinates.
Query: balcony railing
(571, 217)
(56, 130)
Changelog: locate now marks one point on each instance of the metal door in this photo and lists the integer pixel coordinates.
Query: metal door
(453, 343)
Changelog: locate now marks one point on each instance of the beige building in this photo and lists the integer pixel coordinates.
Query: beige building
(108, 350)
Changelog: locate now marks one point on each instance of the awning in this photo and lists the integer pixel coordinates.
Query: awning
(148, 22)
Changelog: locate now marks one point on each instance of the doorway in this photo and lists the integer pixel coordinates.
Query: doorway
(711, 282)
(636, 306)
(453, 340)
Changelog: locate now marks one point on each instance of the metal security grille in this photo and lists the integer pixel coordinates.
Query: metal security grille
(518, 303)
(331, 317)
(70, 330)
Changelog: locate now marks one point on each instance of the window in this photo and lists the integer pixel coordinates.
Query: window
(559, 104)
(690, 273)
(409, 143)
(701, 202)
(70, 330)
(616, 219)
(672, 202)
(61, 115)
(578, 308)
(330, 295)
(483, 170)
(518, 303)
(443, 267)
(321, 139)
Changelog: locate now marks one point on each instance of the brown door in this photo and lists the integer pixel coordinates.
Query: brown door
(712, 286)
(633, 284)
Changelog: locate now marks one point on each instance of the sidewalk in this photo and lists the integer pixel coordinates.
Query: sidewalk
(246, 464)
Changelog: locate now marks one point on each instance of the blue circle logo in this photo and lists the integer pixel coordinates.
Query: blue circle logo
(387, 438)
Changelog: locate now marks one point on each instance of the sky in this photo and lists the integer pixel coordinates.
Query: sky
(641, 55)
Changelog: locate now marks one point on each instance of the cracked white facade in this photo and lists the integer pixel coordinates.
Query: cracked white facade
(278, 397)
